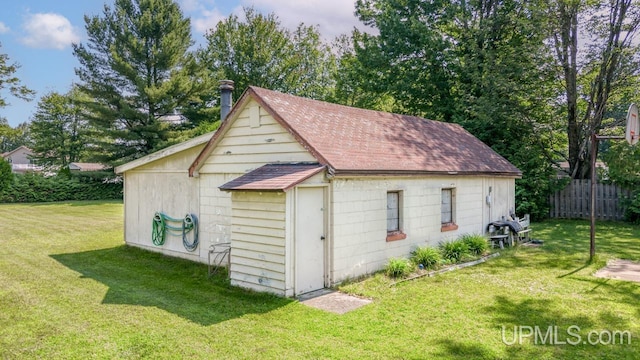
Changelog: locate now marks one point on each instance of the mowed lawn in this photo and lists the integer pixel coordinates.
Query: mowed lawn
(71, 289)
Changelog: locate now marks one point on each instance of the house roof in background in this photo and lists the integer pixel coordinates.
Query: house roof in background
(353, 141)
(87, 166)
(273, 177)
(9, 153)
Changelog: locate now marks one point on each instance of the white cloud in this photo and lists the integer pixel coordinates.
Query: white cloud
(189, 5)
(333, 17)
(3, 28)
(207, 20)
(49, 30)
(204, 14)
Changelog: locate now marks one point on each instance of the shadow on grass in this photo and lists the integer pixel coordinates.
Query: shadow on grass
(605, 289)
(566, 246)
(181, 287)
(509, 316)
(572, 237)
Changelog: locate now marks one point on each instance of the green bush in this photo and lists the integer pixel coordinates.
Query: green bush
(397, 268)
(6, 176)
(632, 211)
(34, 187)
(454, 250)
(429, 257)
(476, 243)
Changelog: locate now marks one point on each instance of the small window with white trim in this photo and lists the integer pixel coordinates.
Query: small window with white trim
(394, 216)
(448, 210)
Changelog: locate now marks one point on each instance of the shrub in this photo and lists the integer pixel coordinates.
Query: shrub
(632, 211)
(6, 176)
(398, 268)
(33, 187)
(427, 256)
(476, 243)
(454, 250)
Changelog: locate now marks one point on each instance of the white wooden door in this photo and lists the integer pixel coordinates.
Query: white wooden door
(309, 240)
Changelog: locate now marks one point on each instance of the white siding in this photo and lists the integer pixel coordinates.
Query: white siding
(163, 186)
(215, 209)
(258, 241)
(245, 147)
(359, 217)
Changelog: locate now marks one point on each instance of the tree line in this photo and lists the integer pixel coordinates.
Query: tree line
(532, 79)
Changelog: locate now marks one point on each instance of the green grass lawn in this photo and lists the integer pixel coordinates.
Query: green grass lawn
(70, 288)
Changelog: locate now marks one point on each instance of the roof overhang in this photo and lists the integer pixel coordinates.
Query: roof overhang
(387, 173)
(273, 177)
(174, 149)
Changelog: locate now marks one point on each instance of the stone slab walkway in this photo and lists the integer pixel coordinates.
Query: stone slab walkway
(620, 270)
(332, 301)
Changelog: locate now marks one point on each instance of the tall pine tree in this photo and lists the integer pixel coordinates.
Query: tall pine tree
(136, 66)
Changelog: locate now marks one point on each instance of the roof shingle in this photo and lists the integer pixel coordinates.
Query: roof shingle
(273, 177)
(354, 141)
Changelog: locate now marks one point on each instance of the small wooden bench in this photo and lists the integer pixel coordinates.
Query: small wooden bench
(524, 235)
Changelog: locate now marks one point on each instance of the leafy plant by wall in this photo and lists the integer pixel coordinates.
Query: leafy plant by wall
(454, 250)
(429, 257)
(476, 243)
(398, 268)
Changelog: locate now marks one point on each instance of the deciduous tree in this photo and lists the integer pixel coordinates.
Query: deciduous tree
(59, 130)
(8, 80)
(483, 64)
(596, 47)
(259, 51)
(12, 138)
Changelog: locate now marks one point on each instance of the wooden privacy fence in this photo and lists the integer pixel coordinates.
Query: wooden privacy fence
(574, 201)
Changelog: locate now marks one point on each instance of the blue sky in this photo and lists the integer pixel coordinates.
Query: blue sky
(37, 34)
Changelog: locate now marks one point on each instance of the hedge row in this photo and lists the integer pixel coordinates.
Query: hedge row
(33, 187)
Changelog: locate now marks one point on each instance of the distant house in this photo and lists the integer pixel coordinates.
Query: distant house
(562, 168)
(309, 193)
(20, 160)
(80, 166)
(175, 118)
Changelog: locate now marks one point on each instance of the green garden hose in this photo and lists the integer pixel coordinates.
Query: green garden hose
(161, 225)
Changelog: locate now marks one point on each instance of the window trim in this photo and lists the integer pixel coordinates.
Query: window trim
(394, 235)
(451, 225)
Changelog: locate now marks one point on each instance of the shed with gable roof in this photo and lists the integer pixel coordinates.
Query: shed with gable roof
(310, 193)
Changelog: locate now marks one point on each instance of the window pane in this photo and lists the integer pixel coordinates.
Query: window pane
(447, 209)
(393, 213)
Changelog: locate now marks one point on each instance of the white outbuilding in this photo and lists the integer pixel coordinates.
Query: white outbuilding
(309, 193)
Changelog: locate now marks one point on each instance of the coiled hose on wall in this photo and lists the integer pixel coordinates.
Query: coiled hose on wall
(162, 225)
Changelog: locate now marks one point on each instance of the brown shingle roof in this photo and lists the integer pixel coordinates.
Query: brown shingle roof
(356, 141)
(273, 177)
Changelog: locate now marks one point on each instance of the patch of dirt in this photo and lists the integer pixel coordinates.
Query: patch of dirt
(620, 270)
